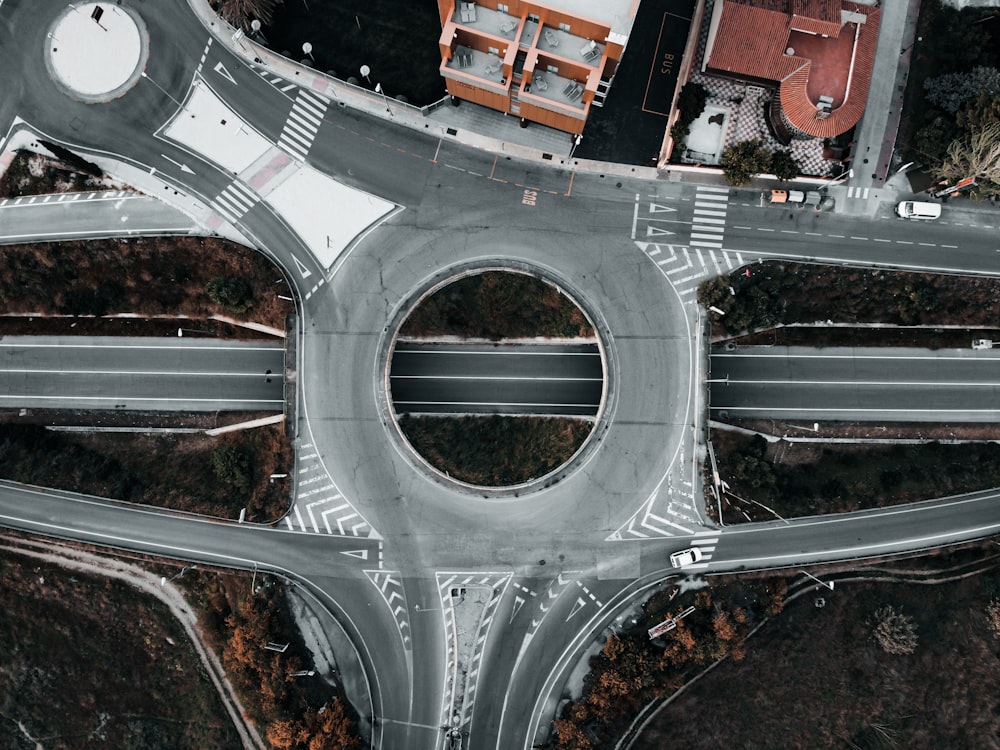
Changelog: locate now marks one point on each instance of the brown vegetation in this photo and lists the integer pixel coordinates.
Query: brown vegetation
(182, 471)
(630, 670)
(801, 479)
(93, 663)
(495, 451)
(141, 276)
(814, 678)
(35, 174)
(893, 631)
(497, 305)
(295, 712)
(782, 293)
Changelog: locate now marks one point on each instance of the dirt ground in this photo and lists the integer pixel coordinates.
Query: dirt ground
(814, 677)
(94, 661)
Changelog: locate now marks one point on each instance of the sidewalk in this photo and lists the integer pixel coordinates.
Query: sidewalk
(875, 136)
(468, 123)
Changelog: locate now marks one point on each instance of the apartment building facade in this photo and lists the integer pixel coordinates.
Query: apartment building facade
(545, 62)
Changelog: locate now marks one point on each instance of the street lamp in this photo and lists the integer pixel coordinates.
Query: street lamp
(365, 70)
(144, 75)
(576, 142)
(308, 49)
(164, 580)
(378, 88)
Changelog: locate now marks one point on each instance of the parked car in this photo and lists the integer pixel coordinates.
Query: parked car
(918, 210)
(814, 198)
(686, 557)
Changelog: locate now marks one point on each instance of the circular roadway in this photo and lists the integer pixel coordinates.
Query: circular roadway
(648, 344)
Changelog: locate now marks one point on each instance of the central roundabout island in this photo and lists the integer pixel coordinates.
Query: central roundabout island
(496, 379)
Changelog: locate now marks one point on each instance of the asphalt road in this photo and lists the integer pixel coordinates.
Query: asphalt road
(146, 374)
(566, 558)
(852, 384)
(538, 379)
(46, 218)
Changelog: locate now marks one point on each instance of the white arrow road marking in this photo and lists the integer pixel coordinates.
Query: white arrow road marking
(518, 603)
(303, 271)
(221, 70)
(577, 606)
(361, 554)
(184, 167)
(655, 208)
(652, 231)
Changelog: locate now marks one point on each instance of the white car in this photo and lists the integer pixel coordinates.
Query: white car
(686, 557)
(918, 210)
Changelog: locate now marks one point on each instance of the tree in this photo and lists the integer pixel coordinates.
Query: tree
(745, 160)
(976, 155)
(893, 631)
(784, 166)
(953, 90)
(241, 12)
(691, 102)
(231, 293)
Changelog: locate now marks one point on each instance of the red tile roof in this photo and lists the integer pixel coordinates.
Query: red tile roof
(800, 111)
(751, 41)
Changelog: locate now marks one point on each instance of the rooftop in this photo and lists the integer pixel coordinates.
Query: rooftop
(823, 80)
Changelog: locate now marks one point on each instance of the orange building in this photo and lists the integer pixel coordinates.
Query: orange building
(542, 62)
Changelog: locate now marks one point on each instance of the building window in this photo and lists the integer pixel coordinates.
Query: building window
(502, 8)
(534, 17)
(552, 68)
(564, 27)
(493, 51)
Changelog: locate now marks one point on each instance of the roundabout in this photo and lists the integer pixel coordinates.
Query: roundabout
(495, 379)
(95, 52)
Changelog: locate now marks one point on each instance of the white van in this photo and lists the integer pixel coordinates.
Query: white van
(918, 210)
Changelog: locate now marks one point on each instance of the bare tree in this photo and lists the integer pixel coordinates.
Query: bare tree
(894, 632)
(993, 617)
(977, 155)
(241, 12)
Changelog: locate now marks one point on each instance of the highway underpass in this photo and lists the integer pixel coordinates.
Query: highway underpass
(548, 379)
(855, 384)
(387, 543)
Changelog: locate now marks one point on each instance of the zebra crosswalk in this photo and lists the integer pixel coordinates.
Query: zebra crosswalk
(302, 124)
(858, 192)
(709, 221)
(235, 201)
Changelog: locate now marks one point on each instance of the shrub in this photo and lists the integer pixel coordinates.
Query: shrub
(232, 466)
(893, 631)
(233, 294)
(679, 132)
(993, 617)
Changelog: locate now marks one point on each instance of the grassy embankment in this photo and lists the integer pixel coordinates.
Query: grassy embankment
(172, 276)
(796, 479)
(496, 450)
